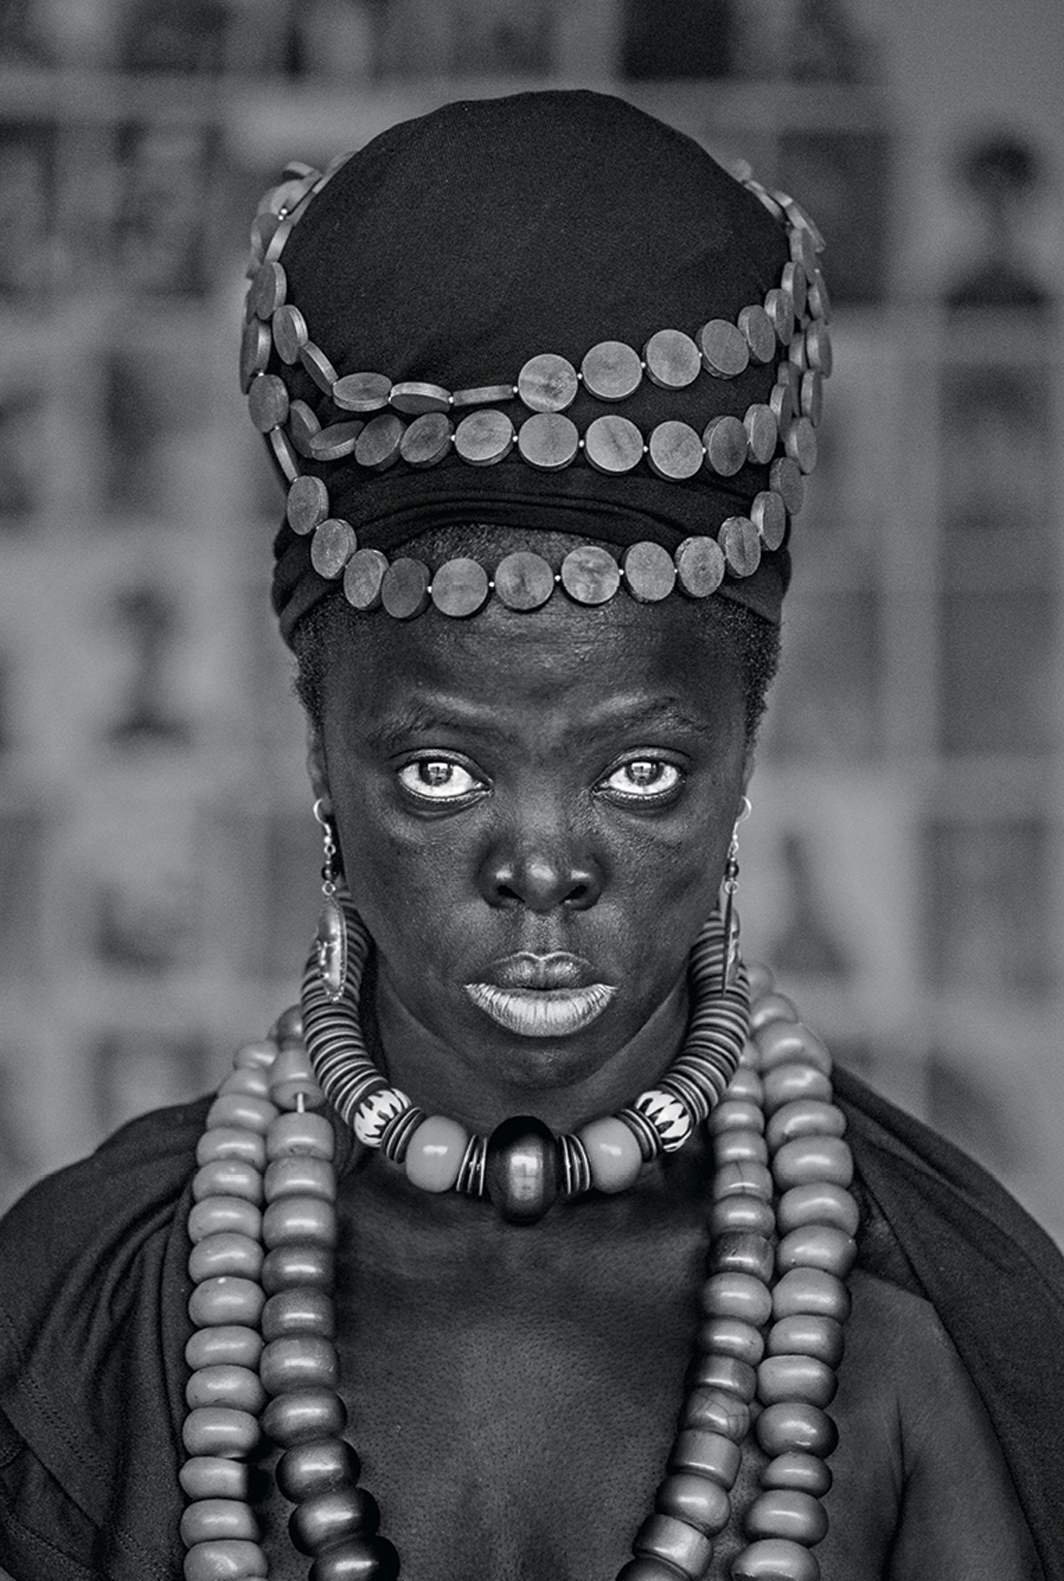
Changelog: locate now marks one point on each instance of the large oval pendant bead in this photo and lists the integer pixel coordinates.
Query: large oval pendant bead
(613, 1153)
(522, 1169)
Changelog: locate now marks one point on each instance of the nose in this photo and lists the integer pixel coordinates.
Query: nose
(540, 878)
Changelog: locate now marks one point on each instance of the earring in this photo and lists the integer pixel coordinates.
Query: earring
(730, 886)
(332, 929)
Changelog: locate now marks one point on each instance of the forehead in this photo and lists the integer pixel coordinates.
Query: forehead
(560, 657)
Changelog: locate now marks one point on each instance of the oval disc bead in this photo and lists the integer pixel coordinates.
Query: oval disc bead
(781, 1042)
(317, 1467)
(807, 1473)
(796, 1377)
(741, 1147)
(807, 1334)
(775, 1559)
(236, 1387)
(680, 1545)
(292, 1221)
(227, 1300)
(224, 1215)
(742, 1212)
(299, 1311)
(804, 1117)
(231, 1142)
(810, 1290)
(227, 1559)
(242, 1109)
(727, 1373)
(819, 1203)
(737, 1296)
(741, 1176)
(291, 1076)
(788, 1513)
(809, 1159)
(289, 1266)
(613, 1153)
(299, 1361)
(700, 1501)
(787, 1082)
(299, 1176)
(304, 1416)
(208, 1520)
(646, 1569)
(708, 1453)
(225, 1253)
(228, 1345)
(300, 1133)
(732, 1337)
(738, 1251)
(357, 1559)
(717, 1411)
(792, 1424)
(216, 1430)
(325, 1519)
(212, 1477)
(227, 1177)
(434, 1156)
(817, 1246)
(771, 1006)
(735, 1115)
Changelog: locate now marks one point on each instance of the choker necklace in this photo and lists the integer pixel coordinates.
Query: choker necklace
(264, 1363)
(522, 1166)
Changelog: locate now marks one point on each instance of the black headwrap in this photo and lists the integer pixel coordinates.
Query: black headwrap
(454, 247)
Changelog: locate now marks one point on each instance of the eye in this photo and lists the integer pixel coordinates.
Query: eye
(439, 780)
(642, 779)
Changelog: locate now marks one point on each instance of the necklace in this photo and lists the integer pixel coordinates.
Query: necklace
(522, 1166)
(264, 1362)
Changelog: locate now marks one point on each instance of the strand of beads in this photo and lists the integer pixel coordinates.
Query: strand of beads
(784, 1072)
(224, 1392)
(263, 1143)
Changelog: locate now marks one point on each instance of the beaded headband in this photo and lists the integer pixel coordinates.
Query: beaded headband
(413, 424)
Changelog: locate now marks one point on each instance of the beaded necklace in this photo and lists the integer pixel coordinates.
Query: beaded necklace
(264, 1360)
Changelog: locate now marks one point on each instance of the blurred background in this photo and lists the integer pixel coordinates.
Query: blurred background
(904, 867)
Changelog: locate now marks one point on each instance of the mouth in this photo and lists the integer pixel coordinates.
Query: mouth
(541, 1012)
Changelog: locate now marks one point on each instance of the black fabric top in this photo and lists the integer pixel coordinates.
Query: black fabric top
(94, 1286)
(454, 247)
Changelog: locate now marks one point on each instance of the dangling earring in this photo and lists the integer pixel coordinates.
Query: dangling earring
(731, 916)
(332, 929)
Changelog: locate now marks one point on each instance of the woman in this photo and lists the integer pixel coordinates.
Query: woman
(462, 1207)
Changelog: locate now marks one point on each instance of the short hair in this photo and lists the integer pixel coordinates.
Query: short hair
(753, 641)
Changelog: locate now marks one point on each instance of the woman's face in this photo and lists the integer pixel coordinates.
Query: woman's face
(534, 812)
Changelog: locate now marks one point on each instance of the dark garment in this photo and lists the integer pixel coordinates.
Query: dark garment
(93, 1323)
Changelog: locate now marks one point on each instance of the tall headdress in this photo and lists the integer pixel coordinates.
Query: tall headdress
(545, 311)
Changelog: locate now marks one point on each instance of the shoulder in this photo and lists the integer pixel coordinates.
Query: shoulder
(93, 1294)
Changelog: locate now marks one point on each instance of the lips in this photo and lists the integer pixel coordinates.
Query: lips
(541, 996)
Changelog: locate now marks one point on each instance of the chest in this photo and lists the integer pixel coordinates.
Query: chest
(513, 1398)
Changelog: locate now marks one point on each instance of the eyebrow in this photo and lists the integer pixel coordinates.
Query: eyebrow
(422, 718)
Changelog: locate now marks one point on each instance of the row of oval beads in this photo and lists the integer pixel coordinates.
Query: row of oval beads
(523, 1167)
(263, 1356)
(781, 1342)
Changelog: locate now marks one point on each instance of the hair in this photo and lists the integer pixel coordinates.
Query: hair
(320, 633)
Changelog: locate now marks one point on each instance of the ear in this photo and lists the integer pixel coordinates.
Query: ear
(319, 777)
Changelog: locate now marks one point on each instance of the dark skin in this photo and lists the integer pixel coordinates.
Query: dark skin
(514, 1390)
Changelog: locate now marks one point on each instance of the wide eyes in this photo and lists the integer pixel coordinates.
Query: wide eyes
(439, 780)
(444, 780)
(642, 779)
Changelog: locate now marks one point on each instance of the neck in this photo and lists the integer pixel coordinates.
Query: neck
(454, 1082)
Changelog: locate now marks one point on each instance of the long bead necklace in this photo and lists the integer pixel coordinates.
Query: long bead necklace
(264, 1360)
